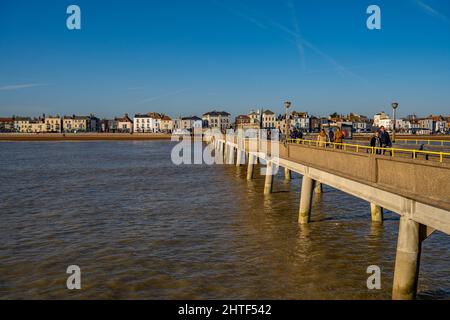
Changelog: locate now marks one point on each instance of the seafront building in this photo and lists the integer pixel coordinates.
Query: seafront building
(245, 122)
(53, 124)
(190, 123)
(301, 120)
(432, 124)
(378, 117)
(166, 124)
(265, 119)
(123, 124)
(108, 126)
(22, 124)
(268, 119)
(73, 124)
(147, 123)
(94, 124)
(6, 124)
(216, 120)
(38, 125)
(154, 122)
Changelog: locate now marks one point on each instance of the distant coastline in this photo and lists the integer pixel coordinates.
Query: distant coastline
(82, 136)
(98, 136)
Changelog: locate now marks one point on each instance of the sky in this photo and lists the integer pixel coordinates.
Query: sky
(185, 58)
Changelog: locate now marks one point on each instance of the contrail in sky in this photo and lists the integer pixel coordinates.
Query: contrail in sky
(21, 86)
(431, 11)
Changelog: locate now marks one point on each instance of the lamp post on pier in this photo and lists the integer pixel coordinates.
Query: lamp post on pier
(394, 108)
(287, 105)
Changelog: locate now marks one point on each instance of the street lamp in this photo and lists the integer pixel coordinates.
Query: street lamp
(394, 107)
(287, 105)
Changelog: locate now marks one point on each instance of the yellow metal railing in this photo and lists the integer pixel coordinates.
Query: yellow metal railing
(432, 142)
(372, 150)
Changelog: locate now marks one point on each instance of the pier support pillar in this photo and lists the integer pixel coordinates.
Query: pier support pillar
(407, 261)
(287, 174)
(238, 157)
(231, 154)
(306, 200)
(376, 212)
(220, 149)
(318, 188)
(225, 153)
(251, 166)
(268, 184)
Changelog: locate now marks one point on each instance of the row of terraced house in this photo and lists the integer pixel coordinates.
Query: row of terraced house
(153, 122)
(267, 119)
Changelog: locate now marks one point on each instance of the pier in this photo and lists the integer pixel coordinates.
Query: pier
(415, 188)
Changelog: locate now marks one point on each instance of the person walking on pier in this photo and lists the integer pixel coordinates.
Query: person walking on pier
(331, 137)
(375, 143)
(338, 138)
(385, 139)
(322, 139)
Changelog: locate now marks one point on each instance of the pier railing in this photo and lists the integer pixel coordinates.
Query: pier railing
(394, 152)
(429, 142)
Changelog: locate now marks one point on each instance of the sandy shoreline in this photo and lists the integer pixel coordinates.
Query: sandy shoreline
(82, 137)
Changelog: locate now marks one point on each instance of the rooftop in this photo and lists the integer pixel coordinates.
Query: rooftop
(217, 113)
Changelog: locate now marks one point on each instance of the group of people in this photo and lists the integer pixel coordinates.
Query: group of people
(337, 137)
(297, 134)
(381, 139)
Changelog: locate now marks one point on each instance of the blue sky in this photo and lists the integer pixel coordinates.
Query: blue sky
(189, 57)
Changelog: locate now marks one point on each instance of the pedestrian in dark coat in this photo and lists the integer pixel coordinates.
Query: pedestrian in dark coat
(385, 139)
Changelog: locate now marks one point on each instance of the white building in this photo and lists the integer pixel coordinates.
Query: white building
(254, 117)
(22, 124)
(388, 124)
(301, 120)
(147, 123)
(378, 117)
(402, 125)
(268, 119)
(441, 126)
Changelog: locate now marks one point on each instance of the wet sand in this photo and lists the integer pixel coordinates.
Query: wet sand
(82, 136)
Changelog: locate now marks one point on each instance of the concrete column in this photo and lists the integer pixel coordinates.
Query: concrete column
(287, 174)
(376, 212)
(220, 149)
(268, 184)
(318, 188)
(225, 153)
(238, 157)
(251, 166)
(406, 274)
(231, 155)
(306, 200)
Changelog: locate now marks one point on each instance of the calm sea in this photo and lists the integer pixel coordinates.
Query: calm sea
(140, 227)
